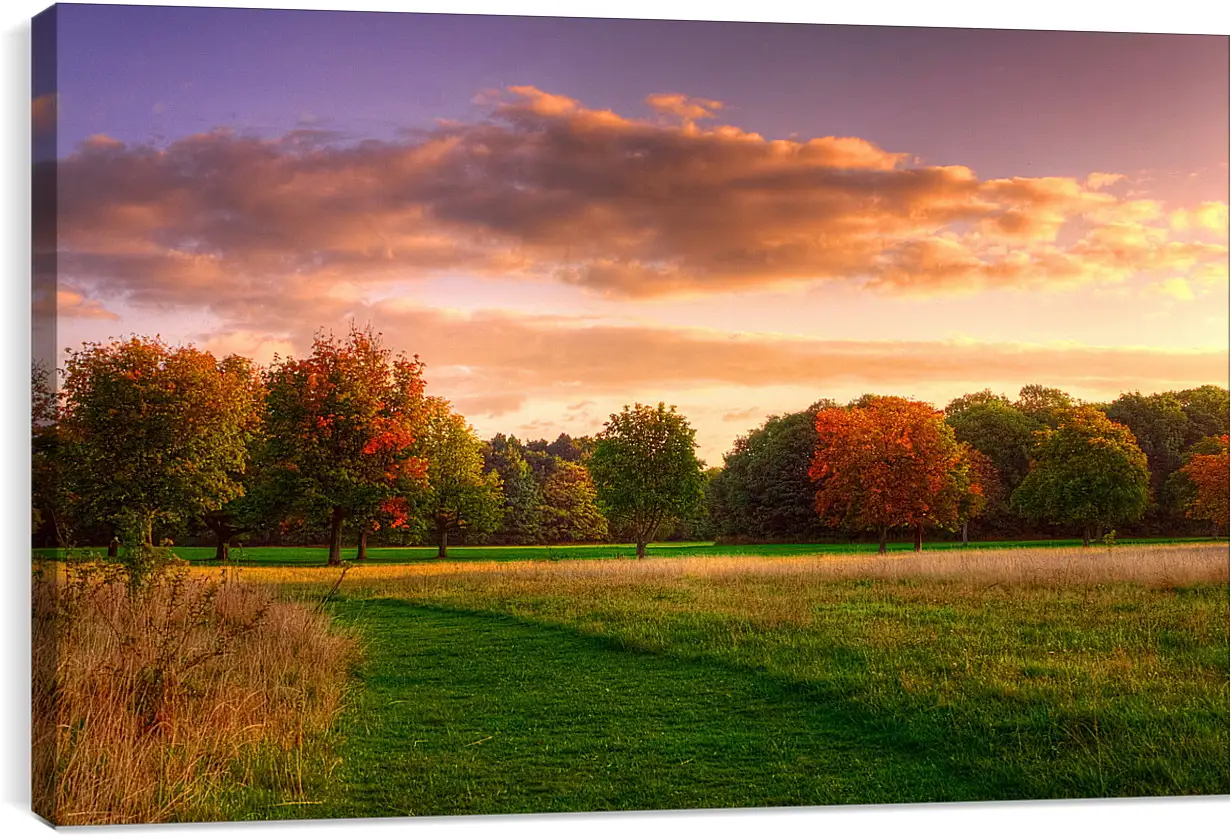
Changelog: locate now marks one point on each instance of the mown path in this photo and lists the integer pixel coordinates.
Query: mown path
(468, 713)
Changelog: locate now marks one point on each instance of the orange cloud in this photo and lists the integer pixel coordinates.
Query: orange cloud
(43, 113)
(685, 107)
(68, 304)
(547, 188)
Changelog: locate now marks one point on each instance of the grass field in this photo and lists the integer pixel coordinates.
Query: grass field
(500, 687)
(307, 556)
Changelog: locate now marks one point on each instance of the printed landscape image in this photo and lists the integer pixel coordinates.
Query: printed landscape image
(449, 415)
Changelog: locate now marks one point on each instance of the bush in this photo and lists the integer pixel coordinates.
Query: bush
(149, 693)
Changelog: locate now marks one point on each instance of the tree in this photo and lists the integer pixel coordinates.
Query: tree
(646, 469)
(1208, 409)
(764, 490)
(1209, 474)
(979, 399)
(883, 464)
(1161, 428)
(998, 430)
(154, 433)
(521, 522)
(47, 499)
(569, 510)
(459, 497)
(1088, 472)
(1045, 405)
(973, 485)
(342, 424)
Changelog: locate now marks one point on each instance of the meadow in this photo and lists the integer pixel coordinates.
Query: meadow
(751, 681)
(500, 686)
(309, 556)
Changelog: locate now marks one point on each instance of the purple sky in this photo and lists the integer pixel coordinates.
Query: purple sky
(1023, 269)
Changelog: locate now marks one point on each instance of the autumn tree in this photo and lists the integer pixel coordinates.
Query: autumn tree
(153, 433)
(459, 496)
(1088, 471)
(569, 508)
(646, 469)
(764, 490)
(884, 463)
(1209, 474)
(342, 424)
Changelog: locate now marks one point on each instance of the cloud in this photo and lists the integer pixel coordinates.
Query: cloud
(68, 304)
(1101, 180)
(685, 107)
(546, 188)
(43, 113)
(487, 361)
(741, 415)
(1210, 215)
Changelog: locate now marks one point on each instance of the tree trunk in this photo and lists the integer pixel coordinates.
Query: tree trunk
(884, 537)
(147, 529)
(113, 549)
(918, 538)
(965, 539)
(362, 552)
(222, 553)
(442, 540)
(335, 537)
(641, 545)
(1085, 536)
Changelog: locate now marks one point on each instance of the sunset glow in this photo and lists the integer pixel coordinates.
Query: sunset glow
(563, 216)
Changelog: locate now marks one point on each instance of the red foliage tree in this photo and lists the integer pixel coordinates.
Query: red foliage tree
(1210, 474)
(883, 464)
(342, 423)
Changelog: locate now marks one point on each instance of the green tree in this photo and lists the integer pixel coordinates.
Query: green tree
(646, 468)
(1045, 405)
(997, 429)
(1087, 472)
(1161, 428)
(459, 497)
(341, 425)
(569, 510)
(521, 522)
(763, 490)
(154, 433)
(1208, 409)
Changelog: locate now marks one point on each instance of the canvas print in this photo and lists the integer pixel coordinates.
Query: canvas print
(453, 415)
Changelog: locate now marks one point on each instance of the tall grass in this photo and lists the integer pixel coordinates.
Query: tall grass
(156, 701)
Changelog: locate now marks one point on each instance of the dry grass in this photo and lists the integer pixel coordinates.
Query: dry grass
(1152, 566)
(151, 703)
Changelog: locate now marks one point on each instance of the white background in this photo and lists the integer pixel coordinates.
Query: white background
(1188, 817)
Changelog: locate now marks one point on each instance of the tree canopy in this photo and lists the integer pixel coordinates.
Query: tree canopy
(154, 433)
(885, 463)
(459, 496)
(646, 467)
(342, 425)
(1088, 472)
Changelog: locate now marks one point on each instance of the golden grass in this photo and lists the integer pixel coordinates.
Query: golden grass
(150, 703)
(1150, 565)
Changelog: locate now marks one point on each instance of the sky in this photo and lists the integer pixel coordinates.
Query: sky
(563, 216)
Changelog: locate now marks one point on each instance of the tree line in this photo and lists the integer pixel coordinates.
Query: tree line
(143, 439)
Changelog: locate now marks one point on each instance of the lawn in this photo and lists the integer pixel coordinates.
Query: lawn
(506, 687)
(308, 556)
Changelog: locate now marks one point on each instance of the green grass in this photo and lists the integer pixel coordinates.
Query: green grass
(546, 690)
(307, 556)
